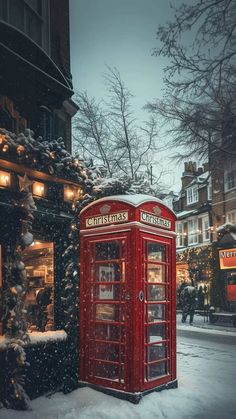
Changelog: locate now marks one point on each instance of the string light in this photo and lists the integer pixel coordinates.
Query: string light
(2, 138)
(72, 193)
(5, 148)
(20, 150)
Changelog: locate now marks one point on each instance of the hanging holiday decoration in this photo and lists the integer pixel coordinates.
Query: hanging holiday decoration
(24, 183)
(45, 157)
(15, 309)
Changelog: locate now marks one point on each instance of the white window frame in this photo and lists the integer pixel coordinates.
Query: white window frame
(209, 190)
(230, 178)
(192, 194)
(180, 235)
(231, 216)
(205, 228)
(193, 231)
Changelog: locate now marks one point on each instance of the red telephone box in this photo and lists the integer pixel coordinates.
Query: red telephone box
(127, 296)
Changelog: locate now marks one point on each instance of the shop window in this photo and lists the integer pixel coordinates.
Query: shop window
(192, 195)
(39, 262)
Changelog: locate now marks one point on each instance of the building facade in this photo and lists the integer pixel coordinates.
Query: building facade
(194, 228)
(206, 226)
(224, 222)
(39, 184)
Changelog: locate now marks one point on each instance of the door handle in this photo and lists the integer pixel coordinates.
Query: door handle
(141, 296)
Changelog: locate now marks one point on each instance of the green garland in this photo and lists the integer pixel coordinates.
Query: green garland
(15, 311)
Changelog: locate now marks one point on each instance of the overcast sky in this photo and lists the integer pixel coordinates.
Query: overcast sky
(120, 33)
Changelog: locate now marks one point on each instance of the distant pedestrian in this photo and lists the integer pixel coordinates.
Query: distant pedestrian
(178, 293)
(188, 298)
(200, 298)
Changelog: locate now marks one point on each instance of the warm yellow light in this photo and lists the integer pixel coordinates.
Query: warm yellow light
(38, 189)
(5, 179)
(5, 148)
(2, 138)
(72, 193)
(20, 150)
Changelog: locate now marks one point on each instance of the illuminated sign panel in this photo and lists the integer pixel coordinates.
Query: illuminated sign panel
(227, 258)
(98, 220)
(154, 220)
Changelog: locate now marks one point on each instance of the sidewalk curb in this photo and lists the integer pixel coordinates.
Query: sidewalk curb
(210, 331)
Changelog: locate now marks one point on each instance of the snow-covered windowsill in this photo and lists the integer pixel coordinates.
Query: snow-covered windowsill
(39, 337)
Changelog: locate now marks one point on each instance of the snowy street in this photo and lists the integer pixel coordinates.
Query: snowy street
(206, 378)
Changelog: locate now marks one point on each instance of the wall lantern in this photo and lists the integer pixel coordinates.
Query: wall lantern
(38, 189)
(72, 193)
(5, 179)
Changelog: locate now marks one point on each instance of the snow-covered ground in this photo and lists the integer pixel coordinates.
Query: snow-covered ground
(207, 383)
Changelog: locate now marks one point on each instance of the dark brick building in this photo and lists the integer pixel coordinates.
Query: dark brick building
(35, 78)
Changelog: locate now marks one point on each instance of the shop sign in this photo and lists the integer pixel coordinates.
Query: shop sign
(227, 258)
(98, 220)
(154, 220)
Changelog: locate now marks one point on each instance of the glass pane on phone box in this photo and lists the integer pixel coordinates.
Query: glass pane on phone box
(156, 293)
(122, 373)
(107, 312)
(107, 250)
(106, 331)
(156, 370)
(108, 273)
(107, 292)
(156, 252)
(156, 312)
(155, 273)
(104, 370)
(156, 352)
(156, 332)
(107, 351)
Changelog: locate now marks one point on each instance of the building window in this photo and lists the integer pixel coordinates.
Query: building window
(39, 263)
(209, 190)
(192, 195)
(231, 217)
(45, 123)
(180, 242)
(29, 16)
(193, 231)
(230, 178)
(205, 228)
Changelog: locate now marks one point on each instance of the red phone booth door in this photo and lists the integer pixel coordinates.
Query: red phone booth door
(157, 363)
(105, 312)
